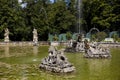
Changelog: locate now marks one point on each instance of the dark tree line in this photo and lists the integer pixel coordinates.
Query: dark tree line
(102, 14)
(55, 18)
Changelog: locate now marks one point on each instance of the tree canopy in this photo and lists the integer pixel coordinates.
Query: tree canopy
(55, 18)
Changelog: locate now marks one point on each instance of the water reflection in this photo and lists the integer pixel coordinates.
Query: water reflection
(6, 48)
(99, 69)
(35, 50)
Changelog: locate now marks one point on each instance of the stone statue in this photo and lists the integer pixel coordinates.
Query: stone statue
(56, 62)
(79, 38)
(94, 51)
(6, 35)
(75, 46)
(35, 36)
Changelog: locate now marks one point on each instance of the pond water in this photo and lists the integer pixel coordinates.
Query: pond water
(22, 63)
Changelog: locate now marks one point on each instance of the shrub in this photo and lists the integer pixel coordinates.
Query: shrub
(115, 37)
(101, 36)
(68, 35)
(55, 38)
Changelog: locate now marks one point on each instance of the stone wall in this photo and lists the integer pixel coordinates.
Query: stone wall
(23, 43)
(110, 44)
(30, 43)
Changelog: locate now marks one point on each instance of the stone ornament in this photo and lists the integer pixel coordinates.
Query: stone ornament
(93, 50)
(75, 46)
(56, 62)
(35, 36)
(6, 35)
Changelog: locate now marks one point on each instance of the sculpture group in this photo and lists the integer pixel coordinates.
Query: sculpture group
(91, 50)
(35, 36)
(75, 46)
(95, 51)
(56, 62)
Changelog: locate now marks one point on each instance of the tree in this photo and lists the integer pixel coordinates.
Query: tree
(55, 18)
(101, 36)
(68, 35)
(10, 17)
(60, 18)
(101, 14)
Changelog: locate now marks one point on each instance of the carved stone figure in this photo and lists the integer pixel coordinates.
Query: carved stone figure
(75, 46)
(94, 51)
(35, 36)
(6, 35)
(56, 62)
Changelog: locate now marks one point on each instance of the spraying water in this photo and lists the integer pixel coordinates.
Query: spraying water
(79, 16)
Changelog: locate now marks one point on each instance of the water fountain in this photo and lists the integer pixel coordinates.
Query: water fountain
(93, 50)
(56, 62)
(75, 46)
(79, 16)
(78, 45)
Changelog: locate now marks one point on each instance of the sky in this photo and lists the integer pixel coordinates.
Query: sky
(23, 5)
(52, 0)
(21, 0)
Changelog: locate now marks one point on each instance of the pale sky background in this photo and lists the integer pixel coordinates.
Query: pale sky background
(52, 0)
(21, 0)
(23, 5)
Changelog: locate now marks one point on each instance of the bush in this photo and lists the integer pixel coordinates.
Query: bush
(115, 37)
(118, 40)
(68, 35)
(55, 38)
(1, 40)
(101, 36)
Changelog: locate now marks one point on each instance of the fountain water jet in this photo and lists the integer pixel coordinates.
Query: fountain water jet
(79, 16)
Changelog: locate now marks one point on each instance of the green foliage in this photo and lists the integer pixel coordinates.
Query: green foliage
(60, 18)
(55, 38)
(93, 37)
(101, 36)
(55, 18)
(115, 37)
(118, 39)
(68, 35)
(101, 14)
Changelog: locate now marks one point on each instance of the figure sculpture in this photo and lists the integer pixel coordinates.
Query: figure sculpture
(6, 35)
(95, 51)
(56, 62)
(35, 36)
(75, 46)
